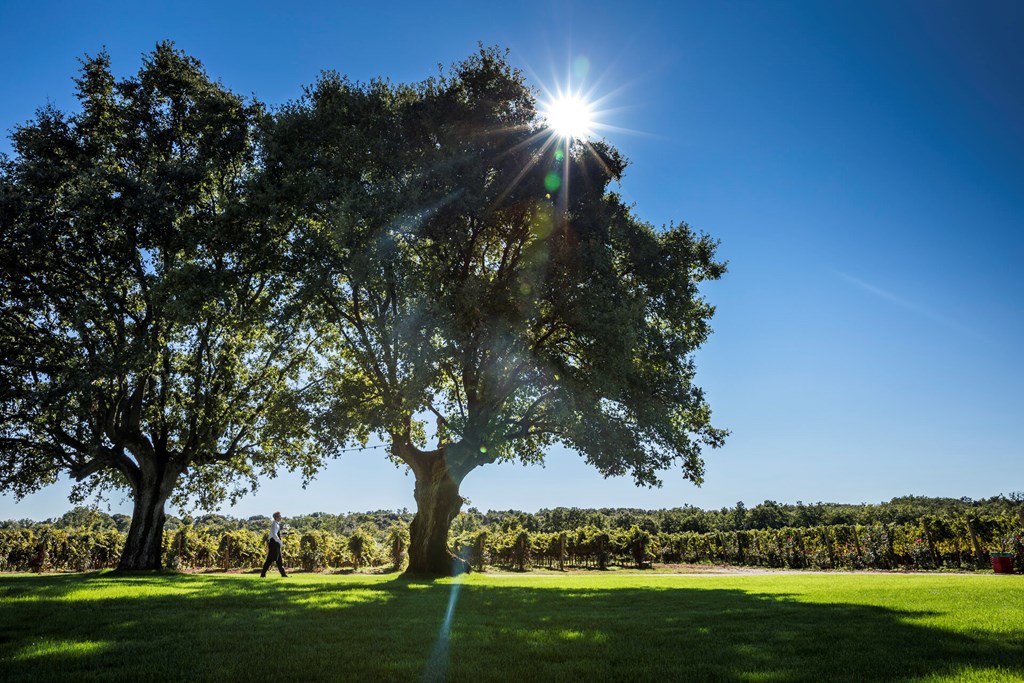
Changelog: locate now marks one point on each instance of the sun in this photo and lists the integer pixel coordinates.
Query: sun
(570, 116)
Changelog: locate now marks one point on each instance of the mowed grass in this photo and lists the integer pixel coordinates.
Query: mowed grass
(530, 627)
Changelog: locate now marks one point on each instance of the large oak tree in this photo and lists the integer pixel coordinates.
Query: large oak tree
(474, 270)
(145, 339)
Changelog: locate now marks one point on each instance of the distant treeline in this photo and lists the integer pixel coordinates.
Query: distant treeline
(767, 515)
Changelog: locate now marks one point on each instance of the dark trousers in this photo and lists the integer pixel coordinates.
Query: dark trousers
(273, 555)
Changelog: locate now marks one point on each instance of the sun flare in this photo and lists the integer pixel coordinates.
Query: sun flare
(570, 117)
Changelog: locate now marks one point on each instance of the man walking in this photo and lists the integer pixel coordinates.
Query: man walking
(274, 547)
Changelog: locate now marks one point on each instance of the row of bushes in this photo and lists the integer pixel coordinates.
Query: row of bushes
(767, 515)
(960, 542)
(56, 549)
(51, 548)
(930, 543)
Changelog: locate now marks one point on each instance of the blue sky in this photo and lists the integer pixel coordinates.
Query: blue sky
(862, 163)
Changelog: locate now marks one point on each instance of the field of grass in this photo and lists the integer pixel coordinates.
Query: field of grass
(593, 627)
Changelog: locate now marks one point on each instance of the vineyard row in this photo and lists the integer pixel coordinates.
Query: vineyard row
(957, 542)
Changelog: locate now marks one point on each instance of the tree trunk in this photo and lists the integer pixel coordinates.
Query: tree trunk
(437, 503)
(144, 543)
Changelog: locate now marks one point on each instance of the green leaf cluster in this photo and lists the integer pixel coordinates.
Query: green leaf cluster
(147, 340)
(453, 286)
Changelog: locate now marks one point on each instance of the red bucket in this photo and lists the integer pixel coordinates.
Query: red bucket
(1002, 563)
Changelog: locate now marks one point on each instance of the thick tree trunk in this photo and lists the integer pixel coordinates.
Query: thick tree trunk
(437, 503)
(143, 545)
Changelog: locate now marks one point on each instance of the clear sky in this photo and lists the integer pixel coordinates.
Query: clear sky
(862, 164)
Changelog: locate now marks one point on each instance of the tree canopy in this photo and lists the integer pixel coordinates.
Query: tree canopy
(472, 268)
(146, 340)
(192, 279)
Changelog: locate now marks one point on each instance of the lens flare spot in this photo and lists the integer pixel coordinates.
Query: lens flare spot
(543, 221)
(559, 154)
(483, 449)
(580, 67)
(552, 182)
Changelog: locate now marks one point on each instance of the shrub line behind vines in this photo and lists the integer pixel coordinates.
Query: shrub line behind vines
(954, 534)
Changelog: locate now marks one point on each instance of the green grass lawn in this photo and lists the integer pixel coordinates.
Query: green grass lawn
(531, 627)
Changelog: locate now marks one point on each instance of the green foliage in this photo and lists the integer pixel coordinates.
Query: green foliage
(362, 548)
(319, 550)
(48, 548)
(145, 339)
(192, 548)
(931, 542)
(86, 517)
(241, 549)
(638, 542)
(398, 545)
(475, 546)
(449, 281)
(18, 548)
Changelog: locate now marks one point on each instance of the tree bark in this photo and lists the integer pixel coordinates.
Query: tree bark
(144, 544)
(437, 503)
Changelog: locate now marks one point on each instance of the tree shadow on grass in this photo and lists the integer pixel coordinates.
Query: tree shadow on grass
(238, 628)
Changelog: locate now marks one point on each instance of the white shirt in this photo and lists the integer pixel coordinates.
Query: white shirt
(275, 529)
